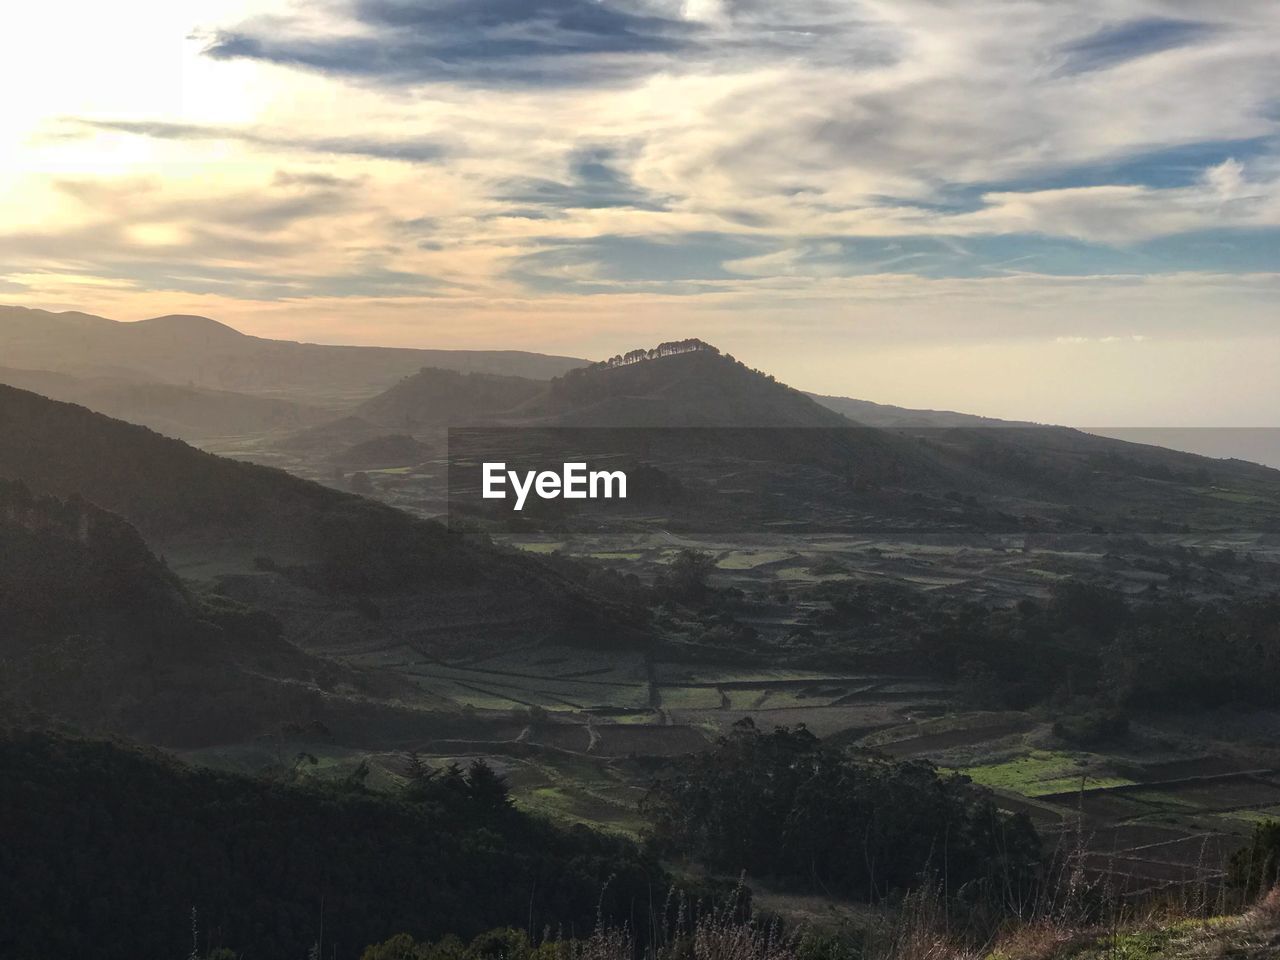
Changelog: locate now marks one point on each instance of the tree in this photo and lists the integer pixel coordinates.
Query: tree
(687, 576)
(487, 788)
(1256, 868)
(785, 805)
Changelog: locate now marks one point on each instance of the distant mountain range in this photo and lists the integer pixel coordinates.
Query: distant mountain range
(322, 410)
(199, 352)
(189, 413)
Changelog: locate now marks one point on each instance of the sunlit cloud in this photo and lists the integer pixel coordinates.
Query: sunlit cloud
(556, 173)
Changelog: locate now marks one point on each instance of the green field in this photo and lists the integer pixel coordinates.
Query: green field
(1043, 772)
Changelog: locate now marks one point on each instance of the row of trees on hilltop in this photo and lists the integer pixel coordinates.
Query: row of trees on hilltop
(667, 349)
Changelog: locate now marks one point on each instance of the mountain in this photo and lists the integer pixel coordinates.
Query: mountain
(294, 545)
(694, 387)
(200, 352)
(435, 397)
(190, 413)
(777, 455)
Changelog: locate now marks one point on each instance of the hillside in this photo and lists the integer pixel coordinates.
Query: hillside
(696, 388)
(96, 630)
(195, 506)
(1152, 474)
(189, 413)
(435, 397)
(200, 352)
(107, 851)
(886, 415)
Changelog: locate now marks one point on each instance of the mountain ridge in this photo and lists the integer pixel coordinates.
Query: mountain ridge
(198, 351)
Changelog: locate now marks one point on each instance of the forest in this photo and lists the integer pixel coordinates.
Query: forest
(109, 851)
(789, 808)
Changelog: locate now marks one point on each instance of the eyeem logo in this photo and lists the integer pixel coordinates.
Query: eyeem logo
(573, 482)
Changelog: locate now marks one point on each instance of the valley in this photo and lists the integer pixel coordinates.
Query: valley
(1029, 607)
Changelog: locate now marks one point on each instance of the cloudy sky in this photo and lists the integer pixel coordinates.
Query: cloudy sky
(1066, 211)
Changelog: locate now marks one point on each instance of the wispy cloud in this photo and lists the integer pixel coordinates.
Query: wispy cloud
(414, 150)
(1116, 43)
(907, 169)
(488, 41)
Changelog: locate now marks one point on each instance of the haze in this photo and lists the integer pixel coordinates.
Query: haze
(1067, 213)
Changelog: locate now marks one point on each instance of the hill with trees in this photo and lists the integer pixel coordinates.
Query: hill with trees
(680, 384)
(194, 503)
(96, 630)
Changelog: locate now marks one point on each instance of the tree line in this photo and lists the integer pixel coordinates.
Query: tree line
(666, 349)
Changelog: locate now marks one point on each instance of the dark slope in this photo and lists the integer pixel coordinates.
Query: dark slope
(1109, 476)
(197, 351)
(434, 397)
(447, 588)
(96, 630)
(887, 415)
(190, 413)
(106, 851)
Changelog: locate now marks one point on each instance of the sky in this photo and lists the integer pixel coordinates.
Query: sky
(1034, 209)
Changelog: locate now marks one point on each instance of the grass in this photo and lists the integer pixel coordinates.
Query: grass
(540, 547)
(1253, 816)
(480, 688)
(1043, 772)
(690, 698)
(750, 559)
(571, 792)
(949, 723)
(820, 695)
(678, 673)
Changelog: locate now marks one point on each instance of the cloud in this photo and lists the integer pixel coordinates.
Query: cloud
(490, 41)
(678, 264)
(413, 150)
(1117, 43)
(900, 168)
(593, 182)
(1224, 198)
